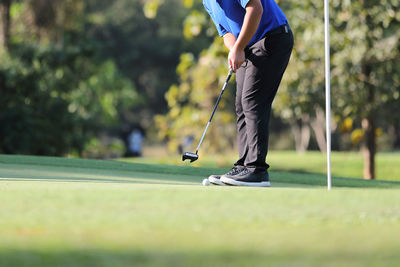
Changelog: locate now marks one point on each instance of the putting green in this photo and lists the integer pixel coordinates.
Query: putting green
(71, 212)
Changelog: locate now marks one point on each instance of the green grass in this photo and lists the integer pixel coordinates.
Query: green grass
(73, 212)
(344, 164)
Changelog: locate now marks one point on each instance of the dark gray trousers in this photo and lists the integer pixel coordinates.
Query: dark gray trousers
(257, 82)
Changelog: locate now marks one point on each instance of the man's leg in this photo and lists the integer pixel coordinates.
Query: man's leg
(240, 118)
(267, 63)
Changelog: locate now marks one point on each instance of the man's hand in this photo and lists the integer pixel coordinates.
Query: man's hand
(254, 11)
(236, 58)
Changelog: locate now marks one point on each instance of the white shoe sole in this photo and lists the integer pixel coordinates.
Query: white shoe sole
(230, 181)
(215, 181)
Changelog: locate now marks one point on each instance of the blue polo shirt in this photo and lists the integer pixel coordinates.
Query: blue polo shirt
(228, 16)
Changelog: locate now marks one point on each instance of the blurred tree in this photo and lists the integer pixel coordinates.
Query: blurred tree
(34, 116)
(55, 99)
(5, 23)
(53, 18)
(366, 71)
(109, 40)
(145, 40)
(300, 99)
(57, 93)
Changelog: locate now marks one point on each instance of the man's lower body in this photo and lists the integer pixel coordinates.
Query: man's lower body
(257, 82)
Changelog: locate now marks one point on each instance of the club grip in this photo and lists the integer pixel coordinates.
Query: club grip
(229, 75)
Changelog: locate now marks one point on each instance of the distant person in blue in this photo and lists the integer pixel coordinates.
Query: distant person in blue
(135, 140)
(260, 42)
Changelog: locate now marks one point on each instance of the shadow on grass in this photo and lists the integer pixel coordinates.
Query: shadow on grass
(128, 258)
(321, 180)
(100, 258)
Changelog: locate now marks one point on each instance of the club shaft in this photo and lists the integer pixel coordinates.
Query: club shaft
(215, 108)
(202, 138)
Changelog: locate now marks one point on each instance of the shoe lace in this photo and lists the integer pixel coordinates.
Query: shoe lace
(244, 171)
(234, 171)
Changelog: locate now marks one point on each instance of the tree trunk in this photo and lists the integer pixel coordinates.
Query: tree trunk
(369, 147)
(394, 133)
(318, 126)
(368, 122)
(302, 133)
(369, 127)
(5, 23)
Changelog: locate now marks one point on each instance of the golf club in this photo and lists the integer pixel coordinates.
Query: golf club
(194, 156)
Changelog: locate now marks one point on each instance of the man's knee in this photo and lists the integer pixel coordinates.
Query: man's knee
(238, 107)
(255, 110)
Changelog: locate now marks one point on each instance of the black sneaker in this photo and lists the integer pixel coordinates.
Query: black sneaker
(247, 178)
(216, 179)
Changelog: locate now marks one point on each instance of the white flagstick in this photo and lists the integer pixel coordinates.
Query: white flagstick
(328, 94)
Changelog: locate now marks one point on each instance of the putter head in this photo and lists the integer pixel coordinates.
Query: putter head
(191, 156)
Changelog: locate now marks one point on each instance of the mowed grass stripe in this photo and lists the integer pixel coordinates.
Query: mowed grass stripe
(42, 172)
(103, 165)
(52, 173)
(12, 166)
